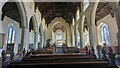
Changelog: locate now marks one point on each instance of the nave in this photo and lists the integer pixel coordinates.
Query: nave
(59, 34)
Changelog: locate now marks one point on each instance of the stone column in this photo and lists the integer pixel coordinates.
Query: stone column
(82, 17)
(24, 38)
(0, 15)
(0, 21)
(66, 37)
(36, 40)
(42, 40)
(92, 27)
(116, 9)
(73, 36)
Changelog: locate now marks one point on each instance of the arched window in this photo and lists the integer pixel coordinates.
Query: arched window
(11, 34)
(87, 41)
(31, 37)
(59, 36)
(104, 34)
(78, 39)
(39, 38)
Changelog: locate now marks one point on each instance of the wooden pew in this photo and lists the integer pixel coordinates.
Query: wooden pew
(65, 60)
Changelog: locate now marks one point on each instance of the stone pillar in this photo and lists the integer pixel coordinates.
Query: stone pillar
(117, 14)
(0, 22)
(44, 43)
(36, 40)
(41, 42)
(24, 38)
(82, 17)
(41, 46)
(116, 9)
(66, 38)
(92, 27)
(43, 39)
(0, 32)
(0, 15)
(73, 36)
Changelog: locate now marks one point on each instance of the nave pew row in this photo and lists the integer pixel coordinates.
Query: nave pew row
(85, 64)
(52, 61)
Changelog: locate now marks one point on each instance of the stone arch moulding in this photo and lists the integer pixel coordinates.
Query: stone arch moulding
(35, 23)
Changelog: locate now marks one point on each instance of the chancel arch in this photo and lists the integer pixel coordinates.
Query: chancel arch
(66, 25)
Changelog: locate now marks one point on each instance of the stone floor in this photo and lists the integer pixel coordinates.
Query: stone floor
(59, 50)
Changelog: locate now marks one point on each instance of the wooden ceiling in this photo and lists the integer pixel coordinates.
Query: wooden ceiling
(10, 9)
(50, 10)
(103, 9)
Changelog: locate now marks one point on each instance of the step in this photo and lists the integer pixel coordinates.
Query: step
(91, 64)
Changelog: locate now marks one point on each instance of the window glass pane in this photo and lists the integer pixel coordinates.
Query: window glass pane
(39, 38)
(13, 37)
(59, 36)
(104, 34)
(9, 35)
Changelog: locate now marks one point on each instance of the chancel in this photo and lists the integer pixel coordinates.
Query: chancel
(83, 34)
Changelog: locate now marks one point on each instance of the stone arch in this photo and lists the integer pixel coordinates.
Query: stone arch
(33, 21)
(23, 19)
(62, 21)
(41, 30)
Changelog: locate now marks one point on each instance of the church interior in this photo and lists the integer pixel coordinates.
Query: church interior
(59, 34)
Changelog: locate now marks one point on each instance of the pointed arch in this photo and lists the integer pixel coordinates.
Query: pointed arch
(103, 34)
